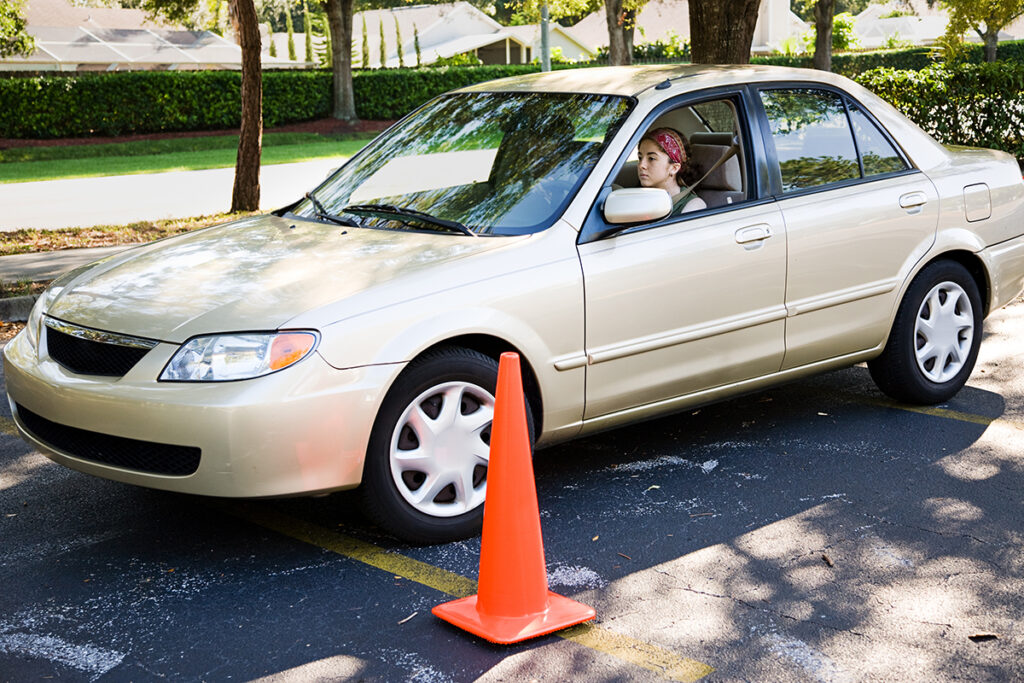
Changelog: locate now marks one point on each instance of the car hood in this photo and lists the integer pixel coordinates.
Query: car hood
(249, 275)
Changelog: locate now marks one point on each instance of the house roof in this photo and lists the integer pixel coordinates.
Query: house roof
(659, 19)
(68, 36)
(656, 21)
(529, 34)
(444, 30)
(923, 26)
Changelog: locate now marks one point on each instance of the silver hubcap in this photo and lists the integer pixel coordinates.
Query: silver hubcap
(440, 448)
(944, 332)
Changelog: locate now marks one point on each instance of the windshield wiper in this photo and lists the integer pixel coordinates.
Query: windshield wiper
(323, 213)
(389, 209)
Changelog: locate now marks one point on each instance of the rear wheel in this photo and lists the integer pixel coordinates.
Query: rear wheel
(935, 338)
(425, 476)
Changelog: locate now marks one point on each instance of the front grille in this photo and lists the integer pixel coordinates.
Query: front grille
(132, 454)
(80, 351)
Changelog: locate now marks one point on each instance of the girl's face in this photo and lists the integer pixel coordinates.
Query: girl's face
(656, 169)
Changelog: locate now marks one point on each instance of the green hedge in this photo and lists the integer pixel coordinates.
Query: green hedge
(393, 93)
(981, 105)
(78, 105)
(109, 104)
(916, 58)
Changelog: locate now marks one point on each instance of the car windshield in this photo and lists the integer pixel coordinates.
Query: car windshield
(497, 163)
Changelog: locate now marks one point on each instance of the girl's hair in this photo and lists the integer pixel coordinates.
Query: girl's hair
(688, 172)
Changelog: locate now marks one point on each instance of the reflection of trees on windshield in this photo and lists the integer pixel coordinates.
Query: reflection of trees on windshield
(497, 162)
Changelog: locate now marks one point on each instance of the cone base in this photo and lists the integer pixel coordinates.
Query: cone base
(560, 612)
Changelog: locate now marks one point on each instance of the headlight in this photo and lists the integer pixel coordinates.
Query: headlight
(35, 316)
(226, 357)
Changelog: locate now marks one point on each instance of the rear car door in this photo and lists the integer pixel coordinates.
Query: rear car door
(857, 214)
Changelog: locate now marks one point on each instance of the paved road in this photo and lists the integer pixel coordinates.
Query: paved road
(115, 200)
(700, 539)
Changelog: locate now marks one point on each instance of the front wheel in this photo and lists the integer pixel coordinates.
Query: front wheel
(425, 476)
(935, 338)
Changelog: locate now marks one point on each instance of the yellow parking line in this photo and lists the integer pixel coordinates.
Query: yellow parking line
(945, 413)
(934, 412)
(645, 655)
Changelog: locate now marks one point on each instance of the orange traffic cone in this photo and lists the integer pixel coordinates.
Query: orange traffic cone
(513, 602)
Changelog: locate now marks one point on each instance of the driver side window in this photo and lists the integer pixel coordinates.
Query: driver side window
(715, 168)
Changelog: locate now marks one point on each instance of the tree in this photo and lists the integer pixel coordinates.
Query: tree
(984, 17)
(13, 38)
(398, 39)
(823, 13)
(366, 47)
(722, 31)
(805, 8)
(416, 46)
(245, 194)
(620, 15)
(290, 27)
(339, 20)
(383, 46)
(307, 27)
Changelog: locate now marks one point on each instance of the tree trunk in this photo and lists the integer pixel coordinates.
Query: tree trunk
(339, 20)
(245, 196)
(620, 32)
(824, 10)
(991, 39)
(722, 31)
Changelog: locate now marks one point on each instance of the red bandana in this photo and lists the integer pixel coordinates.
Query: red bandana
(671, 147)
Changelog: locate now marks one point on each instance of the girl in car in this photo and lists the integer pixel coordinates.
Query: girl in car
(664, 163)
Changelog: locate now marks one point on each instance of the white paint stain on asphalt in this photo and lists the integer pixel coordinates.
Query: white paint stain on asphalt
(421, 671)
(571, 576)
(708, 466)
(86, 658)
(817, 664)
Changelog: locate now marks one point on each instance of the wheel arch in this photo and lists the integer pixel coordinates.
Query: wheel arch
(975, 266)
(492, 347)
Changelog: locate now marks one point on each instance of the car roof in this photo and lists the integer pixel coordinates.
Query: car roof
(635, 80)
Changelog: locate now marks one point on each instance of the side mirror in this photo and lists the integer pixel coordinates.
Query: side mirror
(637, 205)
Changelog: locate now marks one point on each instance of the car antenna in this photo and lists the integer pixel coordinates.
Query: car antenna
(667, 83)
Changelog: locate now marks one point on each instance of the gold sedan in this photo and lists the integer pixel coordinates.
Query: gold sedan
(648, 239)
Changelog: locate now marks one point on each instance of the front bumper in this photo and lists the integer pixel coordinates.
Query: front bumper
(299, 431)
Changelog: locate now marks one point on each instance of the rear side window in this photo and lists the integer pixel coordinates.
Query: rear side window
(877, 153)
(812, 138)
(813, 132)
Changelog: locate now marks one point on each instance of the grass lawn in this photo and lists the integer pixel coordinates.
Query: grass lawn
(24, 164)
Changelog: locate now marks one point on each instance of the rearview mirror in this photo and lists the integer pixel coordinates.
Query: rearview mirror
(637, 205)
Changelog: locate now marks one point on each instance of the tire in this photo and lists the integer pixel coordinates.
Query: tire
(425, 475)
(935, 338)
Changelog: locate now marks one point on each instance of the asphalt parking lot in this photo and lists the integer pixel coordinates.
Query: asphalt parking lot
(814, 532)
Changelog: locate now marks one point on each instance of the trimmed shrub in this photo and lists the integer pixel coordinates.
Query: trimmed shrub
(916, 58)
(109, 104)
(981, 105)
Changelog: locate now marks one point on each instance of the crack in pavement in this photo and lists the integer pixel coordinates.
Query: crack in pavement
(766, 610)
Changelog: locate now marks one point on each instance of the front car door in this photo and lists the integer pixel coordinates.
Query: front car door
(857, 215)
(685, 303)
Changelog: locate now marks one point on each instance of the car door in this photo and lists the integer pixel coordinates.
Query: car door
(684, 304)
(857, 216)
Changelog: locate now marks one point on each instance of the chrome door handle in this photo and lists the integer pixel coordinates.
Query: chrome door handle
(753, 233)
(913, 199)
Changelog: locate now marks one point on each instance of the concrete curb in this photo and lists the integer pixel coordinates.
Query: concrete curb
(16, 308)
